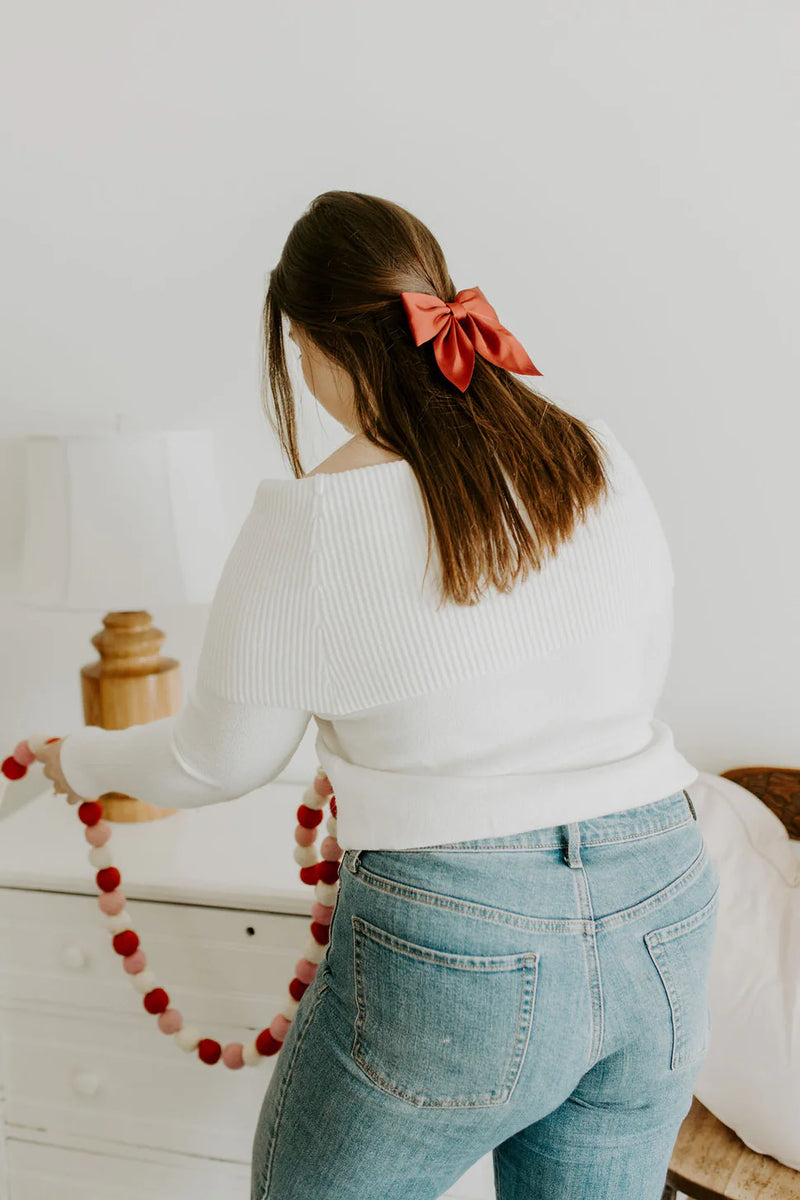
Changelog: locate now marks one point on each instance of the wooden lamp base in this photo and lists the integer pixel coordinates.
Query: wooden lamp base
(130, 684)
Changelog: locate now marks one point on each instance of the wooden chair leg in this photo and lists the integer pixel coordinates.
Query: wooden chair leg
(669, 1193)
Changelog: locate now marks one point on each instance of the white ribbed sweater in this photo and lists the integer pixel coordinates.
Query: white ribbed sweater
(529, 709)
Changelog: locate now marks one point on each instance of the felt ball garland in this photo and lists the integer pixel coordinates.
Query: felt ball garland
(321, 874)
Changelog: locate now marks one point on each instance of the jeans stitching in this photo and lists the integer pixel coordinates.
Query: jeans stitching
(458, 962)
(594, 978)
(655, 940)
(469, 848)
(654, 902)
(467, 908)
(529, 969)
(666, 933)
(499, 916)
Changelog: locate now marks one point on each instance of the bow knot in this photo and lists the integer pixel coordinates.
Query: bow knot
(461, 327)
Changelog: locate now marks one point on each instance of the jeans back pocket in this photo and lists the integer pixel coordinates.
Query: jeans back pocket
(682, 954)
(439, 1029)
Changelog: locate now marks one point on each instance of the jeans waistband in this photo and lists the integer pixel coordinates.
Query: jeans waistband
(666, 813)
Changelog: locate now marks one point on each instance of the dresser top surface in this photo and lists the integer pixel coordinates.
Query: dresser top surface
(236, 854)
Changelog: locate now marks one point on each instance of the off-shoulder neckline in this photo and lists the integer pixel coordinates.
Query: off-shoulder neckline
(595, 423)
(316, 479)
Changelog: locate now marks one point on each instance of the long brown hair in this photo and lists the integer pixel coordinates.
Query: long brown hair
(342, 269)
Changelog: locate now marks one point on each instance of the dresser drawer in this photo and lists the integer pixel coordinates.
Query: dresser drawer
(38, 1170)
(215, 963)
(121, 1081)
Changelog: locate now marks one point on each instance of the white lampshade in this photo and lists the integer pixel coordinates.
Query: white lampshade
(122, 521)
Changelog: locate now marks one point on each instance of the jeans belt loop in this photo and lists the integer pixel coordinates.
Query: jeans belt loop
(572, 852)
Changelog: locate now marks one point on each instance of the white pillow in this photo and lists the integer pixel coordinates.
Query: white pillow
(750, 1079)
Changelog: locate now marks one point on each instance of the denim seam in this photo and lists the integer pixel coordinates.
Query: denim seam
(470, 848)
(528, 1007)
(653, 902)
(655, 940)
(459, 962)
(665, 933)
(498, 916)
(284, 1091)
(592, 962)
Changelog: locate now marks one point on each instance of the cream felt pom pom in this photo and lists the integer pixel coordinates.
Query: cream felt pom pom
(188, 1037)
(332, 826)
(290, 1008)
(100, 856)
(143, 981)
(119, 922)
(306, 856)
(251, 1055)
(312, 798)
(326, 893)
(313, 951)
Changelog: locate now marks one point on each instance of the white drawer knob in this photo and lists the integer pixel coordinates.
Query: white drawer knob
(74, 958)
(86, 1083)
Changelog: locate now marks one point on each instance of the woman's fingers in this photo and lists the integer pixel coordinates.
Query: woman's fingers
(51, 760)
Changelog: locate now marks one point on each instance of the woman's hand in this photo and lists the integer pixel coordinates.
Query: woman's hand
(50, 755)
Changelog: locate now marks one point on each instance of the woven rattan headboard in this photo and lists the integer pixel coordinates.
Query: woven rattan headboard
(778, 787)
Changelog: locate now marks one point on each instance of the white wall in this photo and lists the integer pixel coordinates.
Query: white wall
(621, 180)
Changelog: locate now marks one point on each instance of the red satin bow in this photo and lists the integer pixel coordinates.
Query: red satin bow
(460, 327)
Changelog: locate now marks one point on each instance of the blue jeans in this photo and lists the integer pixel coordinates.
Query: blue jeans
(543, 996)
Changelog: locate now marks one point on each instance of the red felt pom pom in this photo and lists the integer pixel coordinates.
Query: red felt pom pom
(333, 806)
(328, 870)
(320, 933)
(126, 942)
(13, 769)
(90, 812)
(208, 1050)
(309, 874)
(296, 988)
(156, 1001)
(267, 1044)
(309, 818)
(108, 878)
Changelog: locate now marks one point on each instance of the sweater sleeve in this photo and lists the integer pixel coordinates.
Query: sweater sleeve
(257, 677)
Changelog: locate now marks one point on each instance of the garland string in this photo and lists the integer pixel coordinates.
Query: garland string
(321, 874)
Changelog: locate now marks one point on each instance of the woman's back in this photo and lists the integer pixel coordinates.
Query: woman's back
(449, 721)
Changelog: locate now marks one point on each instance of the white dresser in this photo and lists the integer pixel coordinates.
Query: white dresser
(97, 1103)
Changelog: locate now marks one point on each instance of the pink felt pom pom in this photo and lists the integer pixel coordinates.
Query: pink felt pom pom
(170, 1020)
(303, 836)
(111, 903)
(305, 970)
(323, 785)
(279, 1027)
(98, 835)
(330, 849)
(136, 962)
(23, 754)
(322, 912)
(232, 1055)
